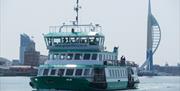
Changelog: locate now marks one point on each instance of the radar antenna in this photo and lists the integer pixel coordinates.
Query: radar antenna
(77, 11)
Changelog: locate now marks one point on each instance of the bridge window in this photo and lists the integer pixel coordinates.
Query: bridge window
(49, 41)
(72, 40)
(78, 56)
(60, 72)
(70, 56)
(86, 72)
(78, 72)
(53, 71)
(91, 40)
(83, 40)
(69, 72)
(45, 73)
(94, 56)
(87, 56)
(56, 41)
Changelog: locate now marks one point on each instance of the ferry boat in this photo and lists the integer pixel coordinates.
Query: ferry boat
(78, 61)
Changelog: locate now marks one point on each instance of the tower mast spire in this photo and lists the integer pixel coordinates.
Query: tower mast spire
(77, 11)
(149, 7)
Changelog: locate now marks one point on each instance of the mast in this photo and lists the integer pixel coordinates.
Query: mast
(149, 54)
(77, 11)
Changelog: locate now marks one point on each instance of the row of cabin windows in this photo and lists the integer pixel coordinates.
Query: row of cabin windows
(80, 56)
(115, 73)
(65, 72)
(85, 40)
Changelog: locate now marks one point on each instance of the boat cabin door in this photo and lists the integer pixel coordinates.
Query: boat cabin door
(100, 78)
(99, 75)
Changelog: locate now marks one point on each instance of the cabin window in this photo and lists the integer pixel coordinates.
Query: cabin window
(94, 56)
(113, 57)
(40, 71)
(56, 56)
(125, 72)
(50, 56)
(116, 57)
(70, 56)
(78, 56)
(118, 73)
(110, 73)
(113, 73)
(62, 56)
(45, 73)
(53, 71)
(78, 72)
(100, 57)
(69, 72)
(87, 72)
(97, 40)
(87, 56)
(132, 71)
(60, 72)
(101, 40)
(104, 57)
(122, 73)
(109, 57)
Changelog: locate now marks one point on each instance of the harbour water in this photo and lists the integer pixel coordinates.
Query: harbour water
(156, 83)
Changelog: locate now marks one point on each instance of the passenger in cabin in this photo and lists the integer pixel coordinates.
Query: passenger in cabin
(123, 61)
(64, 40)
(72, 30)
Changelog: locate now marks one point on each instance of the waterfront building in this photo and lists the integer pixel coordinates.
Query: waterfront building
(15, 62)
(25, 42)
(167, 70)
(4, 63)
(31, 58)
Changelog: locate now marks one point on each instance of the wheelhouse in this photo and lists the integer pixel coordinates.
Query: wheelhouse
(70, 37)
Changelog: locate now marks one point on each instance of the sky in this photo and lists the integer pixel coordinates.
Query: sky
(124, 24)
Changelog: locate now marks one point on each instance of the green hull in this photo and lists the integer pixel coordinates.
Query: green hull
(69, 83)
(59, 83)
